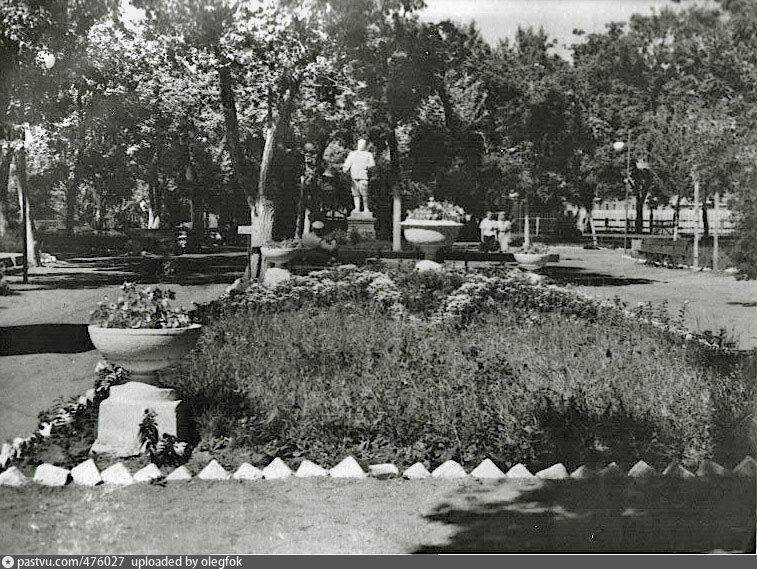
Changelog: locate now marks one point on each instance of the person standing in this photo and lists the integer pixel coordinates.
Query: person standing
(357, 164)
(488, 230)
(504, 231)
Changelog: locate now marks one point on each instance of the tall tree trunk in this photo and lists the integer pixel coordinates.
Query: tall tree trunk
(23, 190)
(6, 157)
(277, 129)
(393, 181)
(651, 219)
(705, 220)
(676, 217)
(72, 192)
(641, 198)
(240, 167)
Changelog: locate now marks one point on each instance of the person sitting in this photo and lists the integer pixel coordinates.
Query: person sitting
(315, 249)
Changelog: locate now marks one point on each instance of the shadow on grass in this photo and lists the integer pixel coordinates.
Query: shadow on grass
(563, 274)
(44, 339)
(744, 304)
(600, 516)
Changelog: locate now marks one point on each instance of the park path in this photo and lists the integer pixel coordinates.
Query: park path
(715, 299)
(45, 352)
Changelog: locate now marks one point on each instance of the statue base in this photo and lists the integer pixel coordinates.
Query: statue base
(363, 223)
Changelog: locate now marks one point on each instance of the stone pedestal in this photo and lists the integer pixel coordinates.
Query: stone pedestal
(363, 223)
(122, 412)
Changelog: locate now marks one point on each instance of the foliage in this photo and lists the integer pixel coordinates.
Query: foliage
(140, 308)
(163, 450)
(534, 248)
(5, 289)
(438, 211)
(291, 243)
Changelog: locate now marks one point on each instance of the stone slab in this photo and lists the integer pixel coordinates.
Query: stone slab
(213, 471)
(747, 467)
(179, 474)
(554, 472)
(583, 472)
(519, 472)
(383, 471)
(13, 477)
(277, 470)
(50, 475)
(86, 474)
(117, 474)
(148, 473)
(710, 468)
(309, 469)
(675, 470)
(416, 472)
(642, 470)
(246, 471)
(612, 470)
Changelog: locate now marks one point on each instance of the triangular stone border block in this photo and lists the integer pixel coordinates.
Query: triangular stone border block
(246, 471)
(612, 470)
(13, 477)
(416, 472)
(348, 468)
(117, 474)
(519, 472)
(309, 469)
(583, 472)
(554, 472)
(642, 470)
(213, 471)
(86, 474)
(50, 475)
(148, 473)
(383, 471)
(710, 468)
(179, 475)
(449, 470)
(487, 470)
(747, 467)
(277, 470)
(675, 470)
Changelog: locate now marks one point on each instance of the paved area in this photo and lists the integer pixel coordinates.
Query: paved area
(715, 300)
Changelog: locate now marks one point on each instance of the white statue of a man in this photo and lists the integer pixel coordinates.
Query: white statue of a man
(358, 163)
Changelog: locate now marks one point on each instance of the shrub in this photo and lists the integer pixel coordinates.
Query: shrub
(140, 308)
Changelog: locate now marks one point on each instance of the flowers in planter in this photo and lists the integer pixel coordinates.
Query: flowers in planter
(438, 211)
(534, 249)
(140, 308)
(292, 243)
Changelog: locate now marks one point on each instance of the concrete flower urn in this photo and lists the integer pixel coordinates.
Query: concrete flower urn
(531, 261)
(143, 352)
(278, 255)
(430, 235)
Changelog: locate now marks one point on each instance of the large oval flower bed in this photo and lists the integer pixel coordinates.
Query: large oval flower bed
(403, 366)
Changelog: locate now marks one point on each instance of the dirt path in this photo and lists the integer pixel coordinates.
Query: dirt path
(371, 516)
(715, 300)
(45, 352)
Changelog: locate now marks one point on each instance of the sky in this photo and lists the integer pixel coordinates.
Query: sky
(500, 19)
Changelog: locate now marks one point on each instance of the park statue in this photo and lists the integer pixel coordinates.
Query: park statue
(358, 163)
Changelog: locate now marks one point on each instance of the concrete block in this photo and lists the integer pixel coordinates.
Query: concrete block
(709, 468)
(247, 472)
(180, 474)
(213, 471)
(383, 471)
(554, 472)
(13, 477)
(50, 475)
(148, 473)
(309, 469)
(487, 470)
(519, 472)
(348, 468)
(86, 474)
(642, 470)
(675, 470)
(747, 467)
(416, 472)
(583, 472)
(277, 470)
(450, 469)
(117, 474)
(612, 470)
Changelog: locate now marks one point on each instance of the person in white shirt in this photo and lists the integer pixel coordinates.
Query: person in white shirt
(357, 164)
(504, 231)
(488, 229)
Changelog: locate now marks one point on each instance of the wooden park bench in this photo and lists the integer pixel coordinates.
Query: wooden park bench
(665, 251)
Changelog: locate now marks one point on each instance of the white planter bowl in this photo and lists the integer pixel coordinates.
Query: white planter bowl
(144, 351)
(531, 261)
(278, 255)
(430, 235)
